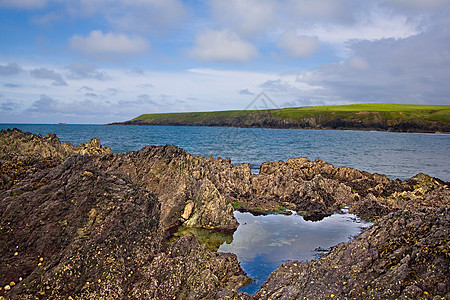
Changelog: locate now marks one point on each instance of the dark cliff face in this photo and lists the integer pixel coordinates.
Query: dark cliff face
(266, 119)
(87, 223)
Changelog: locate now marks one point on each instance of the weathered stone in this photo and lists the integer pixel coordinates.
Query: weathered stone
(88, 223)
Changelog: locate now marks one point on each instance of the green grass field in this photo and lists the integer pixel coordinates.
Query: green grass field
(426, 113)
(438, 113)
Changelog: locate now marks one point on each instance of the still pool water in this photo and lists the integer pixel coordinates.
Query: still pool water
(262, 243)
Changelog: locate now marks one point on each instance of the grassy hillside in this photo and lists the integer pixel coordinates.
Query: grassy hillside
(368, 116)
(439, 113)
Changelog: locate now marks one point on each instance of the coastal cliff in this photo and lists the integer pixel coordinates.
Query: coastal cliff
(88, 223)
(383, 117)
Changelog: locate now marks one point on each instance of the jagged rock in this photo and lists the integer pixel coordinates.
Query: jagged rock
(18, 143)
(22, 153)
(76, 235)
(175, 176)
(187, 270)
(208, 208)
(85, 222)
(77, 228)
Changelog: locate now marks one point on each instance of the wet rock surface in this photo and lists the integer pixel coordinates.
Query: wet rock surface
(87, 223)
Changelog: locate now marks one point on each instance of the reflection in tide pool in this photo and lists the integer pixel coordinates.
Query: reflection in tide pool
(262, 243)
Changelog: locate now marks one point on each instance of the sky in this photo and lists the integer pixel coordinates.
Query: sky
(102, 61)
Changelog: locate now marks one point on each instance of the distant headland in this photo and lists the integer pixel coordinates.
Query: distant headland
(367, 116)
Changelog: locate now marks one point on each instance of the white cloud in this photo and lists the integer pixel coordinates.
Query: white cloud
(410, 70)
(149, 15)
(223, 46)
(358, 63)
(247, 17)
(84, 70)
(138, 16)
(98, 43)
(321, 10)
(10, 69)
(24, 4)
(371, 25)
(246, 92)
(419, 4)
(298, 46)
(44, 73)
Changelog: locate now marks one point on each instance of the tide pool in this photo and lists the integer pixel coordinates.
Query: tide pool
(262, 243)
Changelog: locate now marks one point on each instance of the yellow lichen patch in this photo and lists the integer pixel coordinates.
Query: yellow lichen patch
(87, 174)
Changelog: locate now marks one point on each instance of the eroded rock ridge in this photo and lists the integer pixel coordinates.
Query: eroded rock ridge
(87, 223)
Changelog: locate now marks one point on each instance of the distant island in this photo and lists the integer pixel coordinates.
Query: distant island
(367, 116)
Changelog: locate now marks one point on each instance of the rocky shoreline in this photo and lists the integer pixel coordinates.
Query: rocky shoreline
(87, 223)
(398, 119)
(339, 124)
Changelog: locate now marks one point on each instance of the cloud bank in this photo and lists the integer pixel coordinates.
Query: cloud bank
(98, 43)
(113, 60)
(222, 45)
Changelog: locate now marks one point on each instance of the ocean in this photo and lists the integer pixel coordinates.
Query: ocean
(398, 155)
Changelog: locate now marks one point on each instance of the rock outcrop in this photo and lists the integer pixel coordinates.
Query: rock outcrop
(23, 153)
(23, 144)
(87, 223)
(74, 229)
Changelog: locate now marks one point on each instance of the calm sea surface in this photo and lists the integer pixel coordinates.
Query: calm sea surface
(398, 155)
(262, 243)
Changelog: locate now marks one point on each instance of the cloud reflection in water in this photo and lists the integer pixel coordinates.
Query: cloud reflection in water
(262, 243)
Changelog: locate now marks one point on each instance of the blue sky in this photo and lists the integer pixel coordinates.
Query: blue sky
(100, 61)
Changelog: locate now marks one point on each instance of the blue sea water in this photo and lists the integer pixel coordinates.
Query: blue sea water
(398, 155)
